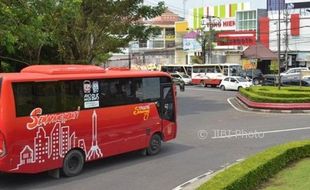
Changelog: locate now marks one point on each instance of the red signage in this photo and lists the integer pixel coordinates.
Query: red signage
(295, 24)
(236, 38)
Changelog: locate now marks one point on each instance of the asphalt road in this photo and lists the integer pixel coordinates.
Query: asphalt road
(203, 112)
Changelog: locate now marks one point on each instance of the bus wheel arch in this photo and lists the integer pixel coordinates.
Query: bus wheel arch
(73, 162)
(154, 145)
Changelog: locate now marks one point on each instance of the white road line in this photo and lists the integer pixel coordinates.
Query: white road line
(264, 132)
(232, 105)
(205, 89)
(183, 185)
(189, 182)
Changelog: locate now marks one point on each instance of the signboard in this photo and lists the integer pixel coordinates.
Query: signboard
(220, 25)
(272, 5)
(236, 38)
(191, 44)
(297, 4)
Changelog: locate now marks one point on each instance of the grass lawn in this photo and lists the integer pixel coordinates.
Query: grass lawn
(296, 177)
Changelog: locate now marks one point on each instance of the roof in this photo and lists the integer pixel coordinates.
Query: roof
(167, 18)
(191, 35)
(259, 51)
(73, 72)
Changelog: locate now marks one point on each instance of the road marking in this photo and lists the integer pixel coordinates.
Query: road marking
(210, 172)
(183, 185)
(201, 89)
(232, 105)
(264, 132)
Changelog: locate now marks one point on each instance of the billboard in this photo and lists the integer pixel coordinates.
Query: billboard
(297, 5)
(273, 5)
(191, 44)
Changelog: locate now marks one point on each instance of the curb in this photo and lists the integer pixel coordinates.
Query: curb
(198, 181)
(273, 107)
(245, 106)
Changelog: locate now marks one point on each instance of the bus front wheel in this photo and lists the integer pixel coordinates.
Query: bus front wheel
(154, 145)
(73, 163)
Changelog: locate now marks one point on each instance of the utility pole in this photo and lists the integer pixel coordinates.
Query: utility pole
(210, 40)
(129, 55)
(279, 44)
(286, 37)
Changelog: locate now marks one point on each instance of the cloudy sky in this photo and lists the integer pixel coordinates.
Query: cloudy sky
(177, 5)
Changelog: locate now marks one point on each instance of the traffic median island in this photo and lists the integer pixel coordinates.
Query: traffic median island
(257, 169)
(287, 98)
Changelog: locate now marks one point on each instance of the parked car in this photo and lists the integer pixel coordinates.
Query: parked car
(270, 80)
(234, 83)
(255, 75)
(296, 82)
(181, 76)
(293, 73)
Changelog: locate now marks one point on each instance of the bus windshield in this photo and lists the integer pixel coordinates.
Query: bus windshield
(235, 70)
(184, 75)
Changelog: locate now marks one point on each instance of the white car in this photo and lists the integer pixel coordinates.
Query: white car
(234, 83)
(181, 76)
(293, 73)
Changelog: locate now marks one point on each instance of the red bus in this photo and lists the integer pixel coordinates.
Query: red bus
(60, 116)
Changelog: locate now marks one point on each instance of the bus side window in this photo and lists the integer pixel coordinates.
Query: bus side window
(23, 98)
(47, 96)
(72, 95)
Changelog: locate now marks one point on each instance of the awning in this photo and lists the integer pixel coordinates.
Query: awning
(303, 57)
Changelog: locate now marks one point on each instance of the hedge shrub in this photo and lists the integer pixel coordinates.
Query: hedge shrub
(273, 95)
(252, 172)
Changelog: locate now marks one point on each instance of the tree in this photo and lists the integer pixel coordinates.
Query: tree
(24, 30)
(77, 31)
(206, 39)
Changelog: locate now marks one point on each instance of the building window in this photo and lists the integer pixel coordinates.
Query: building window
(246, 20)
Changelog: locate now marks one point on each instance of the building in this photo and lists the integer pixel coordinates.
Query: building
(159, 49)
(294, 31)
(236, 28)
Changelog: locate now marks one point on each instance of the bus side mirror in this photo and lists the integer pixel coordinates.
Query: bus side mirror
(182, 86)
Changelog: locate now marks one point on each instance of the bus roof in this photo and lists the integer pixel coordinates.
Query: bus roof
(70, 72)
(63, 69)
(197, 65)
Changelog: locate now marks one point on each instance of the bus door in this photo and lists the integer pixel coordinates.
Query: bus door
(168, 111)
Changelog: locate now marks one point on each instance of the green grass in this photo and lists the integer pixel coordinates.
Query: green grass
(296, 177)
(272, 94)
(258, 168)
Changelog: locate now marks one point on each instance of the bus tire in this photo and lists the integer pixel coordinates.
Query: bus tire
(202, 83)
(73, 163)
(154, 145)
(239, 88)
